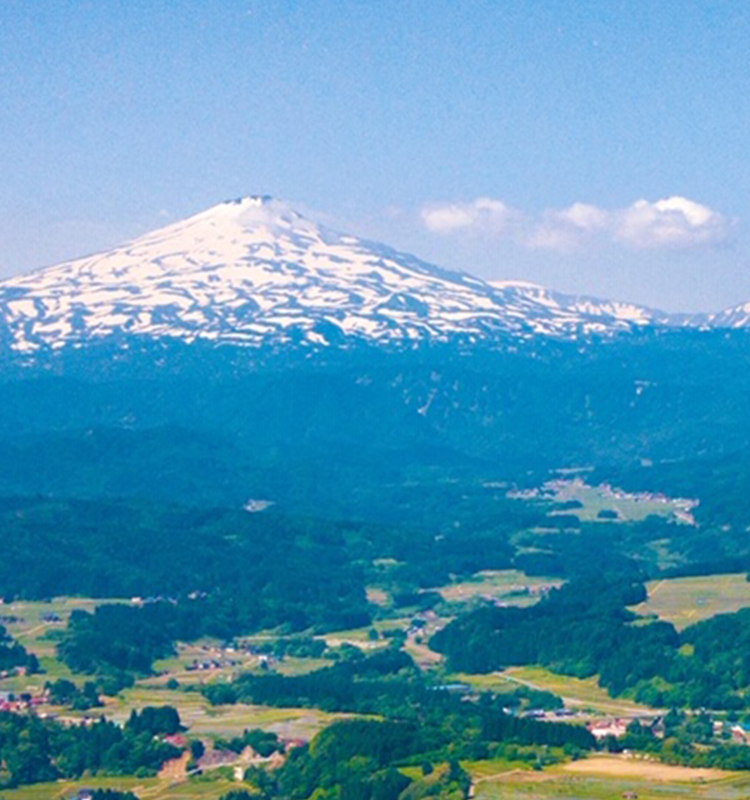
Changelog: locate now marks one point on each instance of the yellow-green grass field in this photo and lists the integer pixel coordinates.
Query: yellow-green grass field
(507, 585)
(685, 601)
(580, 694)
(629, 508)
(610, 777)
(360, 637)
(204, 720)
(490, 769)
(175, 667)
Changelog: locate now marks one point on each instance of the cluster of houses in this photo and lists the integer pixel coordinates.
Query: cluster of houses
(555, 714)
(147, 601)
(682, 507)
(738, 733)
(518, 590)
(197, 665)
(13, 672)
(22, 702)
(179, 769)
(228, 656)
(618, 726)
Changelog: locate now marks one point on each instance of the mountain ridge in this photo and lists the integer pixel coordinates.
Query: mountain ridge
(253, 271)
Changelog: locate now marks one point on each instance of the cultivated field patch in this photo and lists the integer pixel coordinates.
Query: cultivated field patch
(580, 693)
(685, 601)
(508, 586)
(625, 767)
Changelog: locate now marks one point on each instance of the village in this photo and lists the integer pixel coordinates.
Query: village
(605, 502)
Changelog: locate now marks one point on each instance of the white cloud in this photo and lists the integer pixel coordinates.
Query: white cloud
(674, 222)
(484, 214)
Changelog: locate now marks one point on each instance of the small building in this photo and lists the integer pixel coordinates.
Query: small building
(177, 740)
(610, 727)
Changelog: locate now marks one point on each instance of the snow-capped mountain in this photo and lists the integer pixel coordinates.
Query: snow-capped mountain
(558, 314)
(734, 317)
(253, 271)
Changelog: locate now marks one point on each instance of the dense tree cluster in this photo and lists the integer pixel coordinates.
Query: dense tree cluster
(264, 743)
(155, 721)
(34, 750)
(65, 693)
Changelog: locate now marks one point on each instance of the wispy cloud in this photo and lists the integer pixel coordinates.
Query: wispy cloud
(485, 215)
(674, 222)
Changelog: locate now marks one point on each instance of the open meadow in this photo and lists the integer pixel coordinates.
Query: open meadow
(204, 720)
(685, 601)
(509, 586)
(628, 507)
(580, 694)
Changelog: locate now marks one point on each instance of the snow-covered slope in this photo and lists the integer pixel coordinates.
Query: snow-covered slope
(734, 317)
(253, 271)
(558, 314)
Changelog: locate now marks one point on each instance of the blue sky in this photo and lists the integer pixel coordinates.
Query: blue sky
(596, 147)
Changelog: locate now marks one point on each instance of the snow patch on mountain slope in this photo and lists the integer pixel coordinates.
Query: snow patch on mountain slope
(253, 271)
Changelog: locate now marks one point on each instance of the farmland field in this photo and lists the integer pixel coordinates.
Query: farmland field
(641, 768)
(606, 777)
(685, 601)
(580, 694)
(627, 506)
(509, 585)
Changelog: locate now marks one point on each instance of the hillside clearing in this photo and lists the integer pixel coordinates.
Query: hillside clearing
(685, 601)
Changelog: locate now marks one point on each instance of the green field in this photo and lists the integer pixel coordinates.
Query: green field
(629, 507)
(579, 694)
(508, 585)
(204, 720)
(490, 768)
(684, 601)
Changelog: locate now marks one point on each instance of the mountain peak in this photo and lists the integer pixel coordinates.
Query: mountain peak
(253, 271)
(252, 212)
